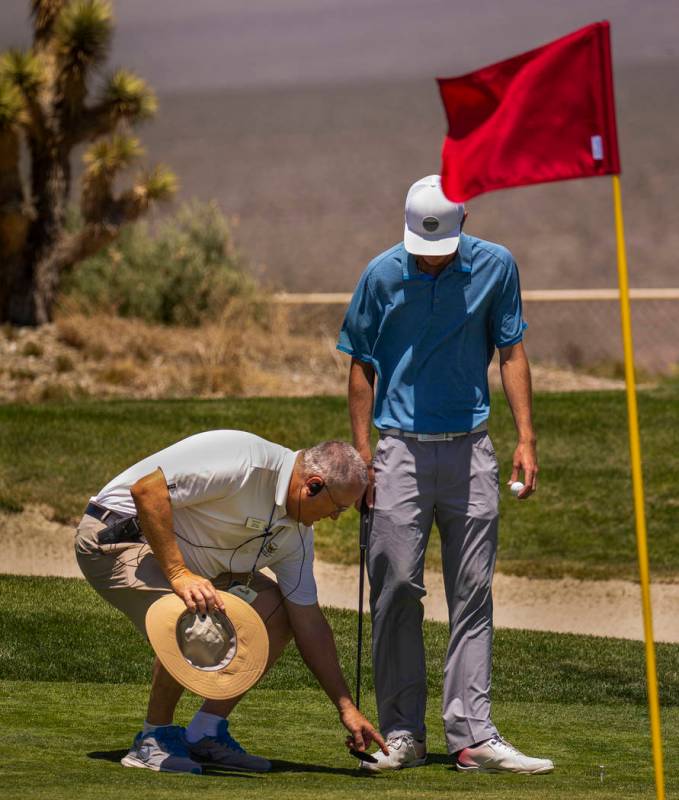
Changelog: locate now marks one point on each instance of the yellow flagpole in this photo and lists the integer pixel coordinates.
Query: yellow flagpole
(638, 491)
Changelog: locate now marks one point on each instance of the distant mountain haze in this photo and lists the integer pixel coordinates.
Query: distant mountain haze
(318, 176)
(308, 120)
(234, 43)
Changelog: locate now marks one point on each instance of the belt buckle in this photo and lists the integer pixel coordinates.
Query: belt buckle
(431, 437)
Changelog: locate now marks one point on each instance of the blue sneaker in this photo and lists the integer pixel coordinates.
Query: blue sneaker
(224, 751)
(162, 750)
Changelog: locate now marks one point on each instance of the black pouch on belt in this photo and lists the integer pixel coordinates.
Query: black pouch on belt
(125, 530)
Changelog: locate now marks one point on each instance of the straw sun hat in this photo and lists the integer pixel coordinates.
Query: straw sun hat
(217, 655)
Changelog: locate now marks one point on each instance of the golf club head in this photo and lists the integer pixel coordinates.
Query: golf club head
(363, 756)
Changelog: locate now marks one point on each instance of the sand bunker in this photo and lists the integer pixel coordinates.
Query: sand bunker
(34, 544)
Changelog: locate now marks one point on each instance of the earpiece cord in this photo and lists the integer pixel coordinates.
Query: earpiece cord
(301, 566)
(234, 550)
(218, 547)
(263, 537)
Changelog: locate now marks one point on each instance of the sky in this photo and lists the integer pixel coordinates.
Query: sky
(207, 44)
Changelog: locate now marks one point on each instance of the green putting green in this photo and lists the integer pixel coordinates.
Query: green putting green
(73, 691)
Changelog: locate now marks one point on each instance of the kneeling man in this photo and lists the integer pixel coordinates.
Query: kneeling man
(208, 511)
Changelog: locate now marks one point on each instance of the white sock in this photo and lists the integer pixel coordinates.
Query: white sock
(203, 724)
(148, 727)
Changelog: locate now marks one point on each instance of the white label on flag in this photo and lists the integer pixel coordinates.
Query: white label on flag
(597, 148)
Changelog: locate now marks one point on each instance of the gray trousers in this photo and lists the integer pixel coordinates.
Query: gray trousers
(454, 482)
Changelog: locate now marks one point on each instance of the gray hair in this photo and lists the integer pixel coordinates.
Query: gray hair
(338, 463)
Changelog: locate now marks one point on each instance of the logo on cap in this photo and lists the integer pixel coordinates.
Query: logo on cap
(430, 224)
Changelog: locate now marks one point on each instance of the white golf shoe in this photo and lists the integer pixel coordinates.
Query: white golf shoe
(498, 755)
(404, 751)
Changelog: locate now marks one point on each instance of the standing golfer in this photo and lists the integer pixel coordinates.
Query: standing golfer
(425, 320)
(207, 511)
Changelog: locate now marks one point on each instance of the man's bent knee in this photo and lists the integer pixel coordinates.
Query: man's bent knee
(270, 607)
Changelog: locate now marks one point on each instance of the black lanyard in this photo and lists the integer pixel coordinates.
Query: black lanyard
(267, 531)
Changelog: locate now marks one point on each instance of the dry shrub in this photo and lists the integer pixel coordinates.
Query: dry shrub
(59, 392)
(63, 363)
(252, 349)
(183, 271)
(9, 332)
(118, 373)
(69, 332)
(21, 374)
(157, 360)
(215, 380)
(32, 349)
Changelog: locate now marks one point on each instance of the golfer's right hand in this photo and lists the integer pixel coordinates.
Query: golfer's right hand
(367, 456)
(197, 592)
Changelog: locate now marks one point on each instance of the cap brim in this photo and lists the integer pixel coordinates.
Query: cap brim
(442, 245)
(243, 671)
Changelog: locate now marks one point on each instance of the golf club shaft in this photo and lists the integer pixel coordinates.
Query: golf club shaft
(363, 544)
(360, 629)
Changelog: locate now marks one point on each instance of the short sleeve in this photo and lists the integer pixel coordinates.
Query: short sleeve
(507, 323)
(361, 323)
(187, 489)
(295, 574)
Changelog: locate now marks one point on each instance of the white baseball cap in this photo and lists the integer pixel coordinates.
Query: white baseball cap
(433, 222)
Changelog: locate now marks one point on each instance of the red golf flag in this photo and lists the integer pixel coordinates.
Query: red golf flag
(545, 115)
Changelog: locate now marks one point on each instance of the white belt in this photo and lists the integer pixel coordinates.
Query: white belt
(433, 437)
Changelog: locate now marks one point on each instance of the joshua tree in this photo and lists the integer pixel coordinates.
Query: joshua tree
(45, 113)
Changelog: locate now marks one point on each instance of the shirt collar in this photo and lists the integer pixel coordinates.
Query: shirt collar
(284, 476)
(461, 263)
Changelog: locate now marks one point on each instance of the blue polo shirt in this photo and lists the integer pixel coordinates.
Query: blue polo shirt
(431, 340)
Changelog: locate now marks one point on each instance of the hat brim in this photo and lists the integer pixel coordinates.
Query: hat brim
(441, 245)
(242, 672)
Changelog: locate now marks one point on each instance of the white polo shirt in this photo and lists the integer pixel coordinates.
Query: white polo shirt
(228, 491)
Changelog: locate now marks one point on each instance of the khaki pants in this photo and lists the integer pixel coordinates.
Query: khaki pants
(127, 574)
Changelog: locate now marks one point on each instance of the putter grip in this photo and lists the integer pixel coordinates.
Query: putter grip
(364, 531)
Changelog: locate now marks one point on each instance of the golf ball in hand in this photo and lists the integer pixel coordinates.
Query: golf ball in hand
(516, 487)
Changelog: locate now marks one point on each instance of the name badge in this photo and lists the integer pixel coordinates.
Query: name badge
(244, 592)
(255, 524)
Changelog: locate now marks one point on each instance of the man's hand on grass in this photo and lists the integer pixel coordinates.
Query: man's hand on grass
(361, 731)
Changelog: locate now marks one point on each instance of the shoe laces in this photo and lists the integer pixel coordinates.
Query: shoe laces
(506, 744)
(395, 742)
(173, 740)
(224, 737)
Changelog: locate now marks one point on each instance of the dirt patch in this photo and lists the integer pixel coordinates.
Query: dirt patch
(34, 544)
(598, 608)
(107, 357)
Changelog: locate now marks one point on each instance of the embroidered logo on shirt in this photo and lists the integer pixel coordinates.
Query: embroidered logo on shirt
(269, 549)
